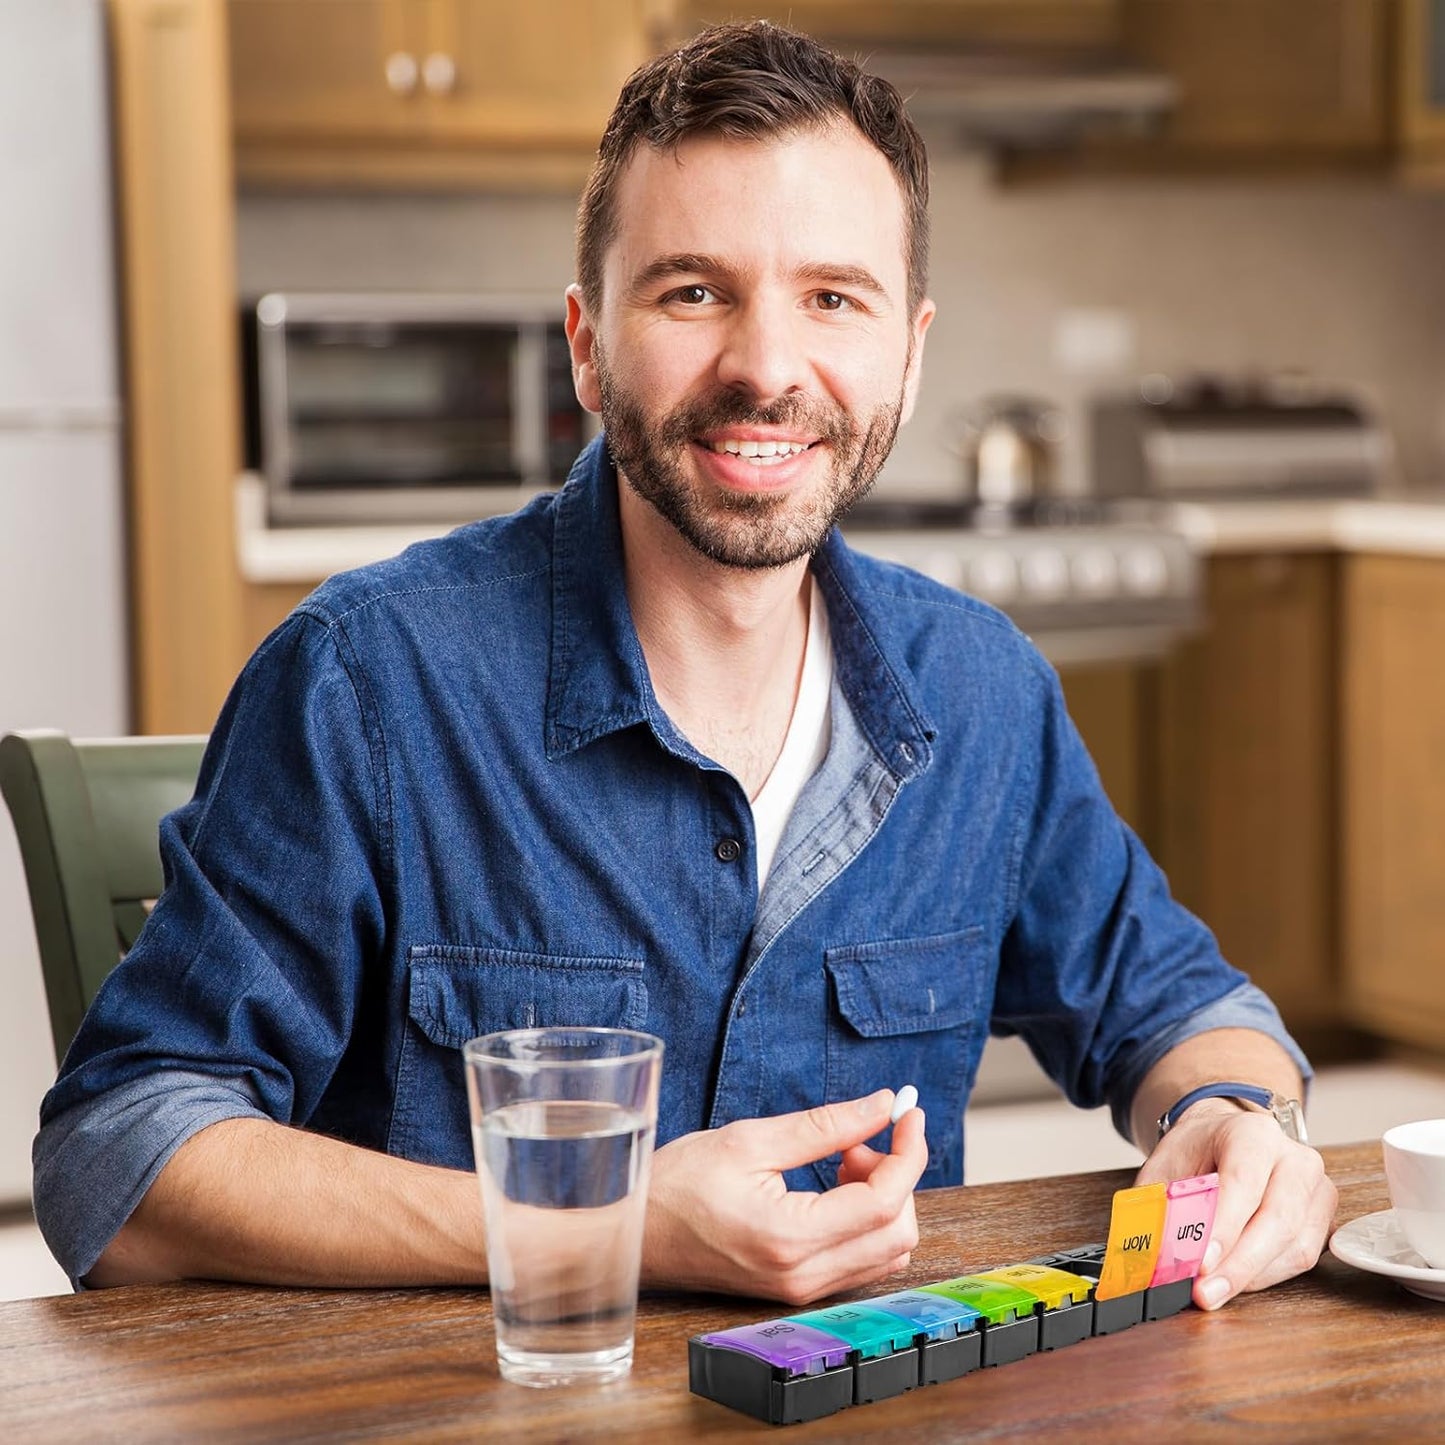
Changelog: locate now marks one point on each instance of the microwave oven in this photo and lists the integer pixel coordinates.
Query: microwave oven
(404, 408)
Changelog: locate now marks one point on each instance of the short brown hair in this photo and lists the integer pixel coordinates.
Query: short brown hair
(747, 82)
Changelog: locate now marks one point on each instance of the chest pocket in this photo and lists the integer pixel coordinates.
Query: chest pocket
(911, 1011)
(455, 994)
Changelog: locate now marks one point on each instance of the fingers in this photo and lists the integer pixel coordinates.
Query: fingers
(788, 1141)
(720, 1214)
(896, 1173)
(1275, 1206)
(851, 1263)
(860, 1206)
(1282, 1234)
(859, 1162)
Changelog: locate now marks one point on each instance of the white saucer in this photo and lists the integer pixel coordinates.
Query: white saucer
(1375, 1242)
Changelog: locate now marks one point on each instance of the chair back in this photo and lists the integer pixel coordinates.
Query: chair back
(86, 815)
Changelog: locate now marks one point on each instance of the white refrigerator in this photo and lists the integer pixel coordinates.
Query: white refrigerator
(63, 647)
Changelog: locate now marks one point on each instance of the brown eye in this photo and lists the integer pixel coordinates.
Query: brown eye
(831, 301)
(691, 295)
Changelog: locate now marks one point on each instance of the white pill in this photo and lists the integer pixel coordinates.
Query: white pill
(907, 1098)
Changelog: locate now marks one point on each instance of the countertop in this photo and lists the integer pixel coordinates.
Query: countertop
(1407, 524)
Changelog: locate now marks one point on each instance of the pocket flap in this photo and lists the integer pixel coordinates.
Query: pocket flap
(910, 985)
(459, 993)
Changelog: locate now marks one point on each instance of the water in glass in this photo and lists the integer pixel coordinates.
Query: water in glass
(564, 1189)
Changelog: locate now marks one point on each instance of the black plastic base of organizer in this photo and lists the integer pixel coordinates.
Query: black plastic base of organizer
(1167, 1299)
(810, 1397)
(941, 1360)
(1110, 1315)
(1003, 1344)
(744, 1382)
(1120, 1313)
(1066, 1325)
(887, 1375)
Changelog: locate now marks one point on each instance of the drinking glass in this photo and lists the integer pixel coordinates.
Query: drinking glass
(562, 1125)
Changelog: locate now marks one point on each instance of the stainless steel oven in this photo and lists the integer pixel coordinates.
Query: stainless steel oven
(410, 408)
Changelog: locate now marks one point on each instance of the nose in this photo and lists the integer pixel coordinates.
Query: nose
(763, 354)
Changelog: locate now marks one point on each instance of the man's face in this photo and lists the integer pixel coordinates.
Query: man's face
(752, 355)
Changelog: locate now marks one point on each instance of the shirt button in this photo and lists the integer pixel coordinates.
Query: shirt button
(728, 850)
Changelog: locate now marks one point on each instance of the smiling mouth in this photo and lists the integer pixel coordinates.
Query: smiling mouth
(759, 453)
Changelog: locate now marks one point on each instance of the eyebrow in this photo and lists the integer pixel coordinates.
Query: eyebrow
(851, 278)
(695, 263)
(681, 263)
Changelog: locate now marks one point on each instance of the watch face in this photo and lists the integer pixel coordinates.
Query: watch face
(1291, 1117)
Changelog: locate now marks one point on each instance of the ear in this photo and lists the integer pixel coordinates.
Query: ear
(922, 320)
(581, 337)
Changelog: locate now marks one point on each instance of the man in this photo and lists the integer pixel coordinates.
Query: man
(661, 752)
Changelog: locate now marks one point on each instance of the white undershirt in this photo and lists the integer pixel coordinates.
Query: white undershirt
(806, 744)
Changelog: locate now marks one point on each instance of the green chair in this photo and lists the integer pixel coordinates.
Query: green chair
(86, 814)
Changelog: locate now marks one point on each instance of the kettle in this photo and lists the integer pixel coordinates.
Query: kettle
(1008, 445)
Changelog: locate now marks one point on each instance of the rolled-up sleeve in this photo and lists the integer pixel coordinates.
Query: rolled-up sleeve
(120, 1140)
(239, 997)
(1245, 1007)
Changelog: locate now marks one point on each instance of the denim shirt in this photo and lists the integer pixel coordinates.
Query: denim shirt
(442, 799)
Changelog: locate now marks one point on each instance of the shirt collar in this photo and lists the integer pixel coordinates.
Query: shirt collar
(870, 662)
(599, 681)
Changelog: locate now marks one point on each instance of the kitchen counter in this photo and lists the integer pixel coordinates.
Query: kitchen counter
(309, 554)
(1406, 525)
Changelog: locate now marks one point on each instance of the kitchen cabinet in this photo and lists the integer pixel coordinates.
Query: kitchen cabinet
(1421, 97)
(1037, 23)
(182, 390)
(1268, 80)
(1244, 762)
(1264, 85)
(321, 71)
(1110, 704)
(1393, 812)
(408, 92)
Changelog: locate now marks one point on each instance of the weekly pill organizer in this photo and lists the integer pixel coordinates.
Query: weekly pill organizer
(804, 1366)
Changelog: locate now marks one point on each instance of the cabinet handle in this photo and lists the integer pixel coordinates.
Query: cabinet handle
(401, 72)
(439, 73)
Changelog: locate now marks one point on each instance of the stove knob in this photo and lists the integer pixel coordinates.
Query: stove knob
(1045, 574)
(1145, 570)
(993, 576)
(1095, 572)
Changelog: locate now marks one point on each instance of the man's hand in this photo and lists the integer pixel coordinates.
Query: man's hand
(1276, 1203)
(720, 1217)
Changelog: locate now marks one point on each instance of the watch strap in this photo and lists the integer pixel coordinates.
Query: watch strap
(1287, 1112)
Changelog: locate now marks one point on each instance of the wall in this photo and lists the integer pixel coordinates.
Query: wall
(1341, 276)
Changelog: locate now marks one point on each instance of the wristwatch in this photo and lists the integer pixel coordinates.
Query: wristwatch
(1288, 1113)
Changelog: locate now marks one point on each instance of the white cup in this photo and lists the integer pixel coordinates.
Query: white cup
(1415, 1173)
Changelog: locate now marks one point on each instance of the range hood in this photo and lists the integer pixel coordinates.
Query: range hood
(1001, 75)
(1026, 100)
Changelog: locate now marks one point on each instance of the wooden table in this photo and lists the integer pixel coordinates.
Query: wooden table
(1337, 1354)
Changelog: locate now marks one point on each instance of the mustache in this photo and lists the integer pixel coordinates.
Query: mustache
(731, 408)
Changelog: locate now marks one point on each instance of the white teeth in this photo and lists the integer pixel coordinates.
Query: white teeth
(759, 449)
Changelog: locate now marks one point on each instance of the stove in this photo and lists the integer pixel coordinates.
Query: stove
(1090, 580)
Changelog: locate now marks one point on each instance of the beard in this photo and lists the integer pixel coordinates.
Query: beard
(751, 530)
